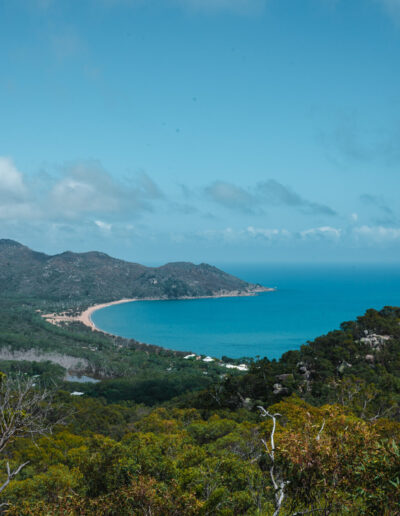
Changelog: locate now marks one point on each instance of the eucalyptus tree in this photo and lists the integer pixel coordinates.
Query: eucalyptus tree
(26, 410)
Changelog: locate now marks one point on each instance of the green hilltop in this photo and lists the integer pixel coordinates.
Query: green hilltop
(95, 276)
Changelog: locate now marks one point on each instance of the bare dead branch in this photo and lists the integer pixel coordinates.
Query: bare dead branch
(25, 411)
(278, 483)
(12, 474)
(320, 431)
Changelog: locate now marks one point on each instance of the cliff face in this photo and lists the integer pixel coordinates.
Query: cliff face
(95, 276)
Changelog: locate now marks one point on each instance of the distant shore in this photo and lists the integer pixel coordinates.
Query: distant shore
(85, 317)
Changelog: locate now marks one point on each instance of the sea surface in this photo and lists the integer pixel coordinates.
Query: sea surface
(309, 301)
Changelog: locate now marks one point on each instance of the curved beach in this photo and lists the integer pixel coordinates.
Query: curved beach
(86, 316)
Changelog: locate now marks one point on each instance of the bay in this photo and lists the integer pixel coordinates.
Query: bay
(310, 300)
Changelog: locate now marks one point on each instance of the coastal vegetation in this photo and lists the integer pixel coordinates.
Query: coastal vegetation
(127, 459)
(155, 432)
(129, 370)
(148, 440)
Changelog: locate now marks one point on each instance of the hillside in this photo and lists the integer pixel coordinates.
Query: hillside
(166, 436)
(357, 365)
(159, 434)
(95, 276)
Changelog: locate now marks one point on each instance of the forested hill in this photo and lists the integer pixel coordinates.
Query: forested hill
(95, 276)
(357, 366)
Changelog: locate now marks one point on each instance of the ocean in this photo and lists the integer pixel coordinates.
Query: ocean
(310, 300)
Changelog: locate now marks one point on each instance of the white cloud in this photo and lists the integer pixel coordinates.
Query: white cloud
(266, 232)
(11, 180)
(15, 202)
(84, 189)
(103, 225)
(244, 234)
(377, 234)
(323, 231)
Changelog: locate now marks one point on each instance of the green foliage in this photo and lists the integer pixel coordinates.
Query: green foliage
(333, 460)
(48, 372)
(157, 436)
(340, 367)
(336, 461)
(98, 277)
(130, 371)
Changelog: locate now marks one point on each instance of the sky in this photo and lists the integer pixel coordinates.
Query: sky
(202, 130)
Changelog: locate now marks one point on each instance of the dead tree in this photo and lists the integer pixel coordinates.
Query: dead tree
(25, 411)
(278, 483)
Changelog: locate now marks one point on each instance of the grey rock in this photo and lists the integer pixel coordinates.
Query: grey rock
(279, 389)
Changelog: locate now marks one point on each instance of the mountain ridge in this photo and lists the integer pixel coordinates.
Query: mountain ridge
(95, 276)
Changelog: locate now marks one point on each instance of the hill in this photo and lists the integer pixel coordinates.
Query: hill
(357, 365)
(148, 440)
(95, 276)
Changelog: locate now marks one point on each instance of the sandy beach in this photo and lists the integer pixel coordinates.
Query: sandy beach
(85, 317)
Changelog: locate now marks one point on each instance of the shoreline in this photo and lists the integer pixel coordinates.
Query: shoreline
(85, 317)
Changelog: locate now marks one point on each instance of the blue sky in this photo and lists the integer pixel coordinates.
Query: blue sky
(202, 130)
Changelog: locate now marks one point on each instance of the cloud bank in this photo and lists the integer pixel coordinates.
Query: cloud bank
(14, 193)
(81, 206)
(230, 196)
(277, 194)
(83, 189)
(265, 194)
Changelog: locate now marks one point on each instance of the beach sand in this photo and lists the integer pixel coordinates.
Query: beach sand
(86, 316)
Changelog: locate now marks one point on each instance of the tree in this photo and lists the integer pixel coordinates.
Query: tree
(335, 462)
(276, 477)
(25, 411)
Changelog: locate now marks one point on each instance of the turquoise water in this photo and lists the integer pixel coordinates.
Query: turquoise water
(310, 301)
(80, 379)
